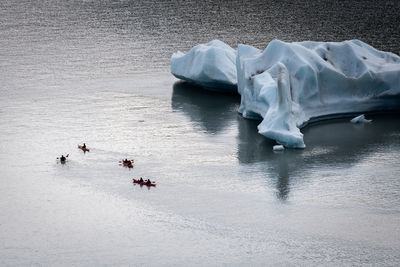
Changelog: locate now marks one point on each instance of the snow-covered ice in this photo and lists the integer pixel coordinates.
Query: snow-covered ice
(360, 119)
(210, 65)
(289, 85)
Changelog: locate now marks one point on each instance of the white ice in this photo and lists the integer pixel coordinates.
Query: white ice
(360, 119)
(278, 148)
(289, 85)
(210, 65)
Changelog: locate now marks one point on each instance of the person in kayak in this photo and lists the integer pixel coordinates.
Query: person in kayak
(141, 180)
(62, 158)
(84, 146)
(148, 182)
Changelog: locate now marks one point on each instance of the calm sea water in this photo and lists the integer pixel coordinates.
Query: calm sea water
(98, 72)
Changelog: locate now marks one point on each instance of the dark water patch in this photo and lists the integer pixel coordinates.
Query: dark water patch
(211, 110)
(53, 40)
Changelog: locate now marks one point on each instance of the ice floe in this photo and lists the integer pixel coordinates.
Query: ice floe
(360, 119)
(278, 148)
(210, 65)
(289, 85)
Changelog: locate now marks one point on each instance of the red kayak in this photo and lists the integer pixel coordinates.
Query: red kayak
(143, 183)
(83, 148)
(128, 164)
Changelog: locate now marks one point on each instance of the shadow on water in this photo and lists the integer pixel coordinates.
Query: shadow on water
(212, 111)
(330, 144)
(326, 139)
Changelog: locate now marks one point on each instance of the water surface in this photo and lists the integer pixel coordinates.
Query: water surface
(97, 72)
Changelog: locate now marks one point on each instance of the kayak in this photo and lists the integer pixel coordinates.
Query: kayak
(83, 148)
(65, 159)
(143, 183)
(127, 164)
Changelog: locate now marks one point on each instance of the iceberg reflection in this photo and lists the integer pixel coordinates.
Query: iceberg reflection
(330, 143)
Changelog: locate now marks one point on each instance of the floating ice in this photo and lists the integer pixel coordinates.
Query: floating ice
(210, 65)
(278, 148)
(290, 84)
(360, 119)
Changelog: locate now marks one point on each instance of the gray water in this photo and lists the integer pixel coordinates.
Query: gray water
(98, 72)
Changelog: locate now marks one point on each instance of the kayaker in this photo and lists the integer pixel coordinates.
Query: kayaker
(126, 161)
(84, 146)
(62, 158)
(141, 180)
(148, 181)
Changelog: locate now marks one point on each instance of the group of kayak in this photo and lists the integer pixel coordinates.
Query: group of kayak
(83, 147)
(125, 163)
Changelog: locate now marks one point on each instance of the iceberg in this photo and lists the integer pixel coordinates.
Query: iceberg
(289, 85)
(211, 65)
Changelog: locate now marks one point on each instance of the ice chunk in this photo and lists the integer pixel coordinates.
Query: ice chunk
(281, 124)
(278, 148)
(290, 84)
(360, 119)
(210, 65)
